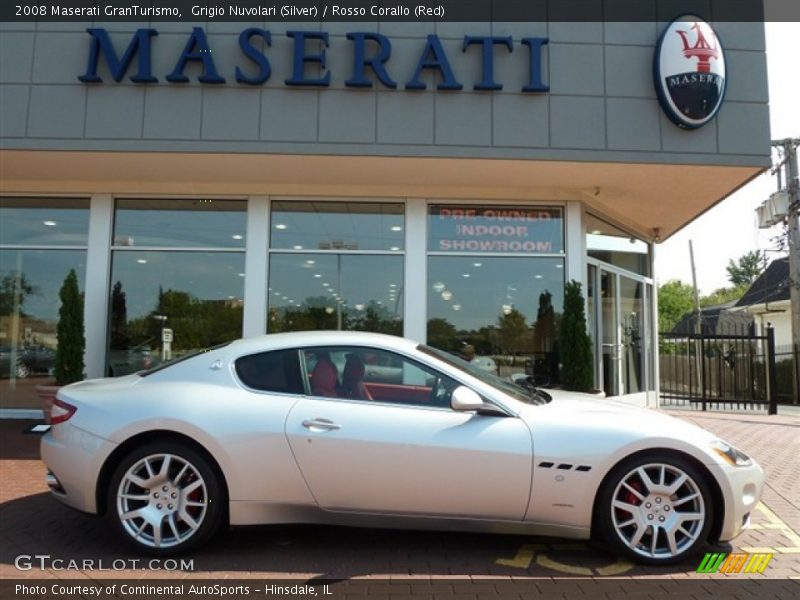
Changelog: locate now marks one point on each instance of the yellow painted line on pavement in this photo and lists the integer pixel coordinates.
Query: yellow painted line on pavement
(549, 563)
(780, 525)
(523, 558)
(530, 552)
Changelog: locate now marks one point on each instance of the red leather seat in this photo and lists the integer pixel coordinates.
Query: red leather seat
(352, 379)
(324, 378)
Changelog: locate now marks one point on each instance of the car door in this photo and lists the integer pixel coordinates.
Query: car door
(406, 452)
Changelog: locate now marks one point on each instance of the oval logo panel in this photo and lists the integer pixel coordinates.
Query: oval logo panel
(689, 69)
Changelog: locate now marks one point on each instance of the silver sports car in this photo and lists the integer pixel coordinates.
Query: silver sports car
(367, 429)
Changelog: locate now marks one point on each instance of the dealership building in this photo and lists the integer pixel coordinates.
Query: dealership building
(440, 181)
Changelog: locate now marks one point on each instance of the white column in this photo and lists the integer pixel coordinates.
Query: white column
(98, 274)
(654, 351)
(415, 271)
(256, 265)
(575, 245)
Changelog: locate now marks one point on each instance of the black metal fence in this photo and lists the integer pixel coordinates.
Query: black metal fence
(718, 371)
(787, 374)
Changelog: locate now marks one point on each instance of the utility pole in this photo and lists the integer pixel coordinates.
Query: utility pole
(788, 147)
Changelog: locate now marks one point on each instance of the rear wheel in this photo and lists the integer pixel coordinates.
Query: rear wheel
(22, 371)
(165, 498)
(656, 509)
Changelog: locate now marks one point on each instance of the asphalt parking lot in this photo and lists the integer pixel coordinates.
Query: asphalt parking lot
(33, 524)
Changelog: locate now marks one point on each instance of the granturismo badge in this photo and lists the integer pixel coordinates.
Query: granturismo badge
(689, 70)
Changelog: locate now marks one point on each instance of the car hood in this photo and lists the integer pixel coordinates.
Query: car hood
(572, 409)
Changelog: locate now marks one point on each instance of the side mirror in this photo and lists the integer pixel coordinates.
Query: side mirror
(464, 399)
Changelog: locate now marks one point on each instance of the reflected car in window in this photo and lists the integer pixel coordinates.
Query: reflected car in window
(32, 359)
(358, 428)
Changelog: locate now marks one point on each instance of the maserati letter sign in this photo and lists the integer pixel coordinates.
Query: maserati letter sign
(689, 70)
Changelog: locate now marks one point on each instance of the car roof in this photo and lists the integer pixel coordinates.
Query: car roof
(294, 339)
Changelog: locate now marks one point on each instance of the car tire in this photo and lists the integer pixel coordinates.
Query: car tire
(22, 371)
(655, 509)
(166, 498)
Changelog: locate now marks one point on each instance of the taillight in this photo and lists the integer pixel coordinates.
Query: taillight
(61, 411)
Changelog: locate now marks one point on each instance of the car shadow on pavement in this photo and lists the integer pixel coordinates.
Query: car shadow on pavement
(39, 525)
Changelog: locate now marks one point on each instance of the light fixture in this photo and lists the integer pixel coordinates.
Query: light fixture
(397, 228)
(392, 285)
(237, 236)
(240, 274)
(329, 310)
(317, 275)
(447, 295)
(394, 248)
(559, 266)
(325, 284)
(537, 276)
(596, 232)
(49, 223)
(297, 247)
(456, 307)
(477, 264)
(310, 262)
(438, 287)
(466, 275)
(280, 226)
(507, 308)
(141, 261)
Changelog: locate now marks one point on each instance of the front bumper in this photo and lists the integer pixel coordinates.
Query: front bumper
(74, 457)
(741, 488)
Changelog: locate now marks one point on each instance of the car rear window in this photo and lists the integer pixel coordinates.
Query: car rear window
(276, 371)
(172, 363)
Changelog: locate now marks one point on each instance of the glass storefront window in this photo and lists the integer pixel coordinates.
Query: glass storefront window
(616, 247)
(506, 229)
(44, 221)
(29, 284)
(198, 295)
(506, 308)
(360, 292)
(322, 225)
(180, 223)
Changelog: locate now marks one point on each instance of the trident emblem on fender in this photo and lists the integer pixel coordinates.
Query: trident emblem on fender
(702, 50)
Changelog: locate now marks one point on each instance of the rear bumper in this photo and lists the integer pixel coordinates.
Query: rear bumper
(74, 458)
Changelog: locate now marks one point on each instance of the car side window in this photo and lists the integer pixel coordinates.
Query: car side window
(375, 375)
(277, 371)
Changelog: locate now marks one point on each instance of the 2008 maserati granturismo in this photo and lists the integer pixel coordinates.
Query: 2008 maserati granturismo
(368, 429)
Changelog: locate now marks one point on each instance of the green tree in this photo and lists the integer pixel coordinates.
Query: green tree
(14, 288)
(675, 299)
(577, 363)
(512, 329)
(71, 343)
(442, 334)
(744, 271)
(723, 295)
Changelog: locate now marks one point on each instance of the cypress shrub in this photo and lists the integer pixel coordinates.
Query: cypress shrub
(71, 342)
(577, 362)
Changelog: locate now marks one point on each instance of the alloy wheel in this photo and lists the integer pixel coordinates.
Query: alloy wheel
(658, 511)
(162, 500)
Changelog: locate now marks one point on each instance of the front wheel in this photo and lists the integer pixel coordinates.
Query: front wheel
(165, 498)
(656, 509)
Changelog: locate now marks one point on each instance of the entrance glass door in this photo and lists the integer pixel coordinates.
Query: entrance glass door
(619, 322)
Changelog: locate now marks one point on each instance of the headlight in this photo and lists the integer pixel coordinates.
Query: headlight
(735, 457)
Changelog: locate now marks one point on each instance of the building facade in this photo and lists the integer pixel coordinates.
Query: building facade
(440, 181)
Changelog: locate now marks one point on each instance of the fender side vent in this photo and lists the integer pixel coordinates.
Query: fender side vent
(564, 467)
(584, 468)
(546, 465)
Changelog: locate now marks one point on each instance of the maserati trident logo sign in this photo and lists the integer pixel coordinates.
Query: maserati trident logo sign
(689, 70)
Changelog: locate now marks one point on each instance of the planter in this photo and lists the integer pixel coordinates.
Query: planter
(47, 394)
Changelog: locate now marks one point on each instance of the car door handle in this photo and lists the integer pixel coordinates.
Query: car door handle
(320, 425)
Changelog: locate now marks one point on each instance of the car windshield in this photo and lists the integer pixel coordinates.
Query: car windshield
(523, 394)
(171, 363)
